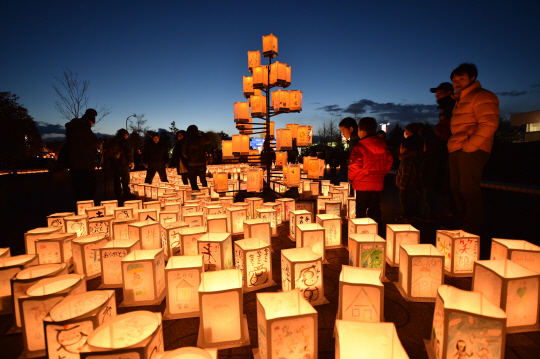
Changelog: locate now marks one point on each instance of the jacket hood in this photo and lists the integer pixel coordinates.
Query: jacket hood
(374, 144)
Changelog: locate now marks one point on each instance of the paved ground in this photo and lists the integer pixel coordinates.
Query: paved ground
(25, 202)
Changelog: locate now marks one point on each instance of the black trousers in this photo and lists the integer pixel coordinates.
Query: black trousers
(409, 202)
(151, 172)
(465, 176)
(193, 173)
(121, 181)
(368, 204)
(84, 184)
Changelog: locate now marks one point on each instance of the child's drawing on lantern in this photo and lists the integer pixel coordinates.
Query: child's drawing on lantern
(309, 280)
(461, 353)
(371, 255)
(426, 277)
(437, 334)
(183, 291)
(405, 238)
(292, 339)
(285, 276)
(139, 282)
(522, 296)
(359, 304)
(34, 321)
(469, 334)
(79, 228)
(70, 339)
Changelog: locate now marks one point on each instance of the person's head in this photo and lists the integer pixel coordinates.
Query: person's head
(412, 129)
(155, 138)
(463, 76)
(408, 144)
(180, 135)
(348, 126)
(367, 126)
(90, 116)
(461, 345)
(122, 133)
(443, 90)
(381, 134)
(192, 131)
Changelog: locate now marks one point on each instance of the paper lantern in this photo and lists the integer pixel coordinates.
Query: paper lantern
(143, 277)
(518, 251)
(217, 251)
(56, 248)
(247, 82)
(57, 220)
(351, 207)
(255, 178)
(460, 250)
(227, 150)
(148, 232)
(367, 251)
(235, 219)
(332, 229)
(258, 228)
(24, 280)
(38, 301)
(173, 206)
(183, 277)
(291, 175)
(222, 324)
(373, 340)
(511, 287)
(396, 235)
(303, 138)
(465, 323)
(216, 223)
(171, 238)
(136, 204)
(254, 59)
(287, 206)
(321, 200)
(253, 258)
(81, 205)
(33, 235)
(191, 352)
(258, 105)
(284, 139)
(303, 269)
(132, 335)
(240, 144)
(325, 188)
(153, 204)
(260, 77)
(86, 254)
(243, 205)
(9, 267)
(362, 226)
(289, 310)
(293, 127)
(189, 240)
(270, 46)
(313, 168)
(241, 112)
(281, 159)
(74, 318)
(109, 206)
(278, 75)
(311, 235)
(314, 188)
(420, 272)
(76, 224)
(277, 207)
(295, 104)
(332, 207)
(337, 195)
(5, 253)
(361, 295)
(254, 203)
(272, 129)
(221, 183)
(120, 228)
(124, 213)
(298, 217)
(95, 212)
(269, 215)
(194, 219)
(111, 255)
(101, 225)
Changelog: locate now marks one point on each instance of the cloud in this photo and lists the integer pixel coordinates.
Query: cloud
(50, 129)
(535, 85)
(314, 103)
(330, 108)
(512, 93)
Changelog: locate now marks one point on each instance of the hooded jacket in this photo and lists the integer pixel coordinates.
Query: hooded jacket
(474, 120)
(81, 144)
(370, 161)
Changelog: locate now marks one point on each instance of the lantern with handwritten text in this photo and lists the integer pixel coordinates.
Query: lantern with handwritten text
(183, 277)
(332, 228)
(189, 237)
(148, 232)
(217, 251)
(460, 250)
(76, 224)
(518, 251)
(57, 219)
(396, 235)
(111, 255)
(361, 295)
(296, 218)
(143, 277)
(269, 215)
(253, 259)
(100, 225)
(86, 254)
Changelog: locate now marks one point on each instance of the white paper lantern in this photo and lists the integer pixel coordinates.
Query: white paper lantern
(284, 139)
(217, 251)
(33, 235)
(148, 232)
(362, 226)
(86, 254)
(255, 203)
(56, 248)
(57, 219)
(235, 219)
(81, 205)
(111, 255)
(367, 251)
(124, 213)
(172, 244)
(9, 267)
(95, 212)
(333, 207)
(298, 217)
(183, 277)
(189, 240)
(269, 215)
(120, 228)
(518, 251)
(143, 277)
(291, 175)
(361, 295)
(311, 236)
(100, 225)
(253, 259)
(351, 207)
(217, 223)
(287, 206)
(332, 229)
(109, 206)
(254, 59)
(460, 250)
(193, 219)
(396, 235)
(76, 224)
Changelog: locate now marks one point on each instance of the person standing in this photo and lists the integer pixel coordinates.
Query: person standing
(81, 145)
(407, 180)
(120, 157)
(349, 130)
(475, 119)
(156, 159)
(177, 159)
(193, 150)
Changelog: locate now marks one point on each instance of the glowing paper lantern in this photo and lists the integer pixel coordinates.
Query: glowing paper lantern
(124, 213)
(269, 215)
(332, 229)
(362, 226)
(5, 252)
(57, 219)
(109, 206)
(241, 112)
(287, 206)
(240, 144)
(464, 323)
(217, 251)
(132, 335)
(303, 269)
(9, 267)
(258, 228)
(111, 255)
(321, 200)
(297, 315)
(227, 150)
(270, 45)
(511, 287)
(40, 298)
(296, 105)
(374, 340)
(313, 168)
(94, 212)
(367, 251)
(361, 295)
(189, 239)
(254, 203)
(518, 251)
(460, 250)
(254, 59)
(235, 219)
(420, 272)
(296, 218)
(56, 248)
(86, 254)
(255, 180)
(303, 138)
(216, 223)
(74, 318)
(284, 140)
(76, 224)
(293, 127)
(171, 241)
(143, 277)
(120, 228)
(173, 206)
(247, 82)
(33, 235)
(260, 76)
(183, 277)
(272, 129)
(100, 225)
(148, 232)
(311, 236)
(194, 219)
(291, 175)
(253, 259)
(396, 235)
(278, 75)
(191, 353)
(221, 183)
(332, 207)
(281, 159)
(153, 204)
(81, 205)
(136, 204)
(351, 207)
(277, 207)
(258, 105)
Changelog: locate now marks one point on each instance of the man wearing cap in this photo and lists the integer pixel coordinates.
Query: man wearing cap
(443, 95)
(82, 145)
(475, 119)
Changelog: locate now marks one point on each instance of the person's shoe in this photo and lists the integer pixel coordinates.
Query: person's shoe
(402, 219)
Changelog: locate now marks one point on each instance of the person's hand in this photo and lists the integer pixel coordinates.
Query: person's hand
(131, 165)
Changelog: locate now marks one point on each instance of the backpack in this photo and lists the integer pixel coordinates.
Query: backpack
(114, 150)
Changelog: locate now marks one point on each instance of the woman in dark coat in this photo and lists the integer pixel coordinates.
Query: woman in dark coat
(177, 159)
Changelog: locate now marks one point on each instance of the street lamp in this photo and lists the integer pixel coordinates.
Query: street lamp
(134, 115)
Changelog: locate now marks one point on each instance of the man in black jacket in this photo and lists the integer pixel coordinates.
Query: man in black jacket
(120, 158)
(193, 150)
(82, 144)
(156, 158)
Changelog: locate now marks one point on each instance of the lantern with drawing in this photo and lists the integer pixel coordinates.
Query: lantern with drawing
(81, 205)
(38, 302)
(361, 295)
(396, 235)
(56, 248)
(374, 340)
(332, 207)
(518, 251)
(111, 255)
(281, 159)
(269, 215)
(222, 323)
(193, 219)
(287, 206)
(283, 139)
(312, 236)
(255, 180)
(120, 228)
(420, 272)
(351, 207)
(76, 224)
(460, 250)
(511, 287)
(86, 254)
(57, 219)
(253, 259)
(303, 269)
(74, 318)
(148, 232)
(9, 267)
(332, 229)
(465, 323)
(277, 207)
(282, 319)
(171, 238)
(188, 240)
(109, 206)
(124, 213)
(291, 175)
(217, 251)
(296, 218)
(101, 225)
(362, 226)
(33, 235)
(235, 219)
(131, 335)
(321, 200)
(367, 251)
(254, 203)
(313, 168)
(143, 277)
(183, 277)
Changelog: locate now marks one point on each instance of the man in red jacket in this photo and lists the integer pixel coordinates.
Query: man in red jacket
(370, 161)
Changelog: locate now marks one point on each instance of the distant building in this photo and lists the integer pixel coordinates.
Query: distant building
(532, 120)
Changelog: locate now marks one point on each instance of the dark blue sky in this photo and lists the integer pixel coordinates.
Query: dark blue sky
(183, 61)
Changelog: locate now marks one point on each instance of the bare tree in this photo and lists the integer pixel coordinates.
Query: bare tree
(73, 95)
(139, 125)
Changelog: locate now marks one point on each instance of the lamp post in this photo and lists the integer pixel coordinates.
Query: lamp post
(134, 115)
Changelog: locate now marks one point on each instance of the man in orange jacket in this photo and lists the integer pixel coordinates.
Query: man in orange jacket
(475, 119)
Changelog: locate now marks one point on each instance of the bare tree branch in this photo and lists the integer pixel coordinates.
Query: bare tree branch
(139, 125)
